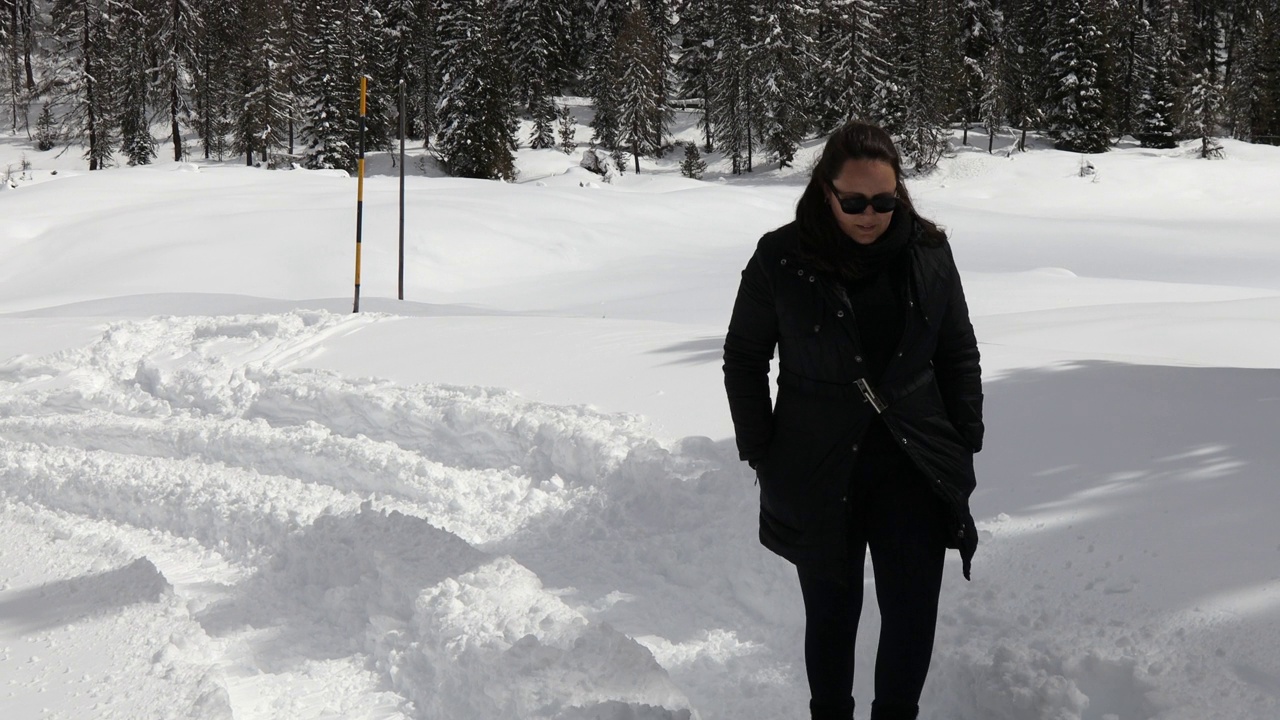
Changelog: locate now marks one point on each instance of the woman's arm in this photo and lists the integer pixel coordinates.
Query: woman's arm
(748, 348)
(956, 365)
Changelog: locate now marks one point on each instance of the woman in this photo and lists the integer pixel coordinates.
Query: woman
(879, 413)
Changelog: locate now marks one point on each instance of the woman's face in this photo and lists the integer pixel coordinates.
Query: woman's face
(867, 178)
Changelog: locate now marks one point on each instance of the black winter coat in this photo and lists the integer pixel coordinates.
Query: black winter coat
(804, 447)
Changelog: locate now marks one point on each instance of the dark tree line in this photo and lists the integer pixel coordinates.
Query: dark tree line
(277, 79)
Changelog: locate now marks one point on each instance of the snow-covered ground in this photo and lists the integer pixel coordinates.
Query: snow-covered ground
(515, 494)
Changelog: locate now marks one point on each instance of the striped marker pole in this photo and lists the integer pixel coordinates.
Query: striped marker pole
(364, 91)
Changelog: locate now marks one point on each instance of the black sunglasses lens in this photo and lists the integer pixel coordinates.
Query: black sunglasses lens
(884, 203)
(879, 203)
(854, 205)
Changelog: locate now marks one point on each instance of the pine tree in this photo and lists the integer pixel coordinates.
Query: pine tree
(46, 130)
(730, 85)
(1203, 103)
(214, 76)
(131, 55)
(1159, 107)
(642, 114)
(780, 49)
(697, 53)
(992, 107)
(692, 166)
(543, 134)
(1077, 116)
(537, 30)
(568, 131)
(264, 103)
(178, 26)
(83, 30)
(330, 120)
(1024, 30)
(477, 115)
(978, 37)
(914, 106)
(602, 73)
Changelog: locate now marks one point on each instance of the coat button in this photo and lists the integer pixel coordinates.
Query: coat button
(899, 354)
(784, 261)
(910, 303)
(855, 447)
(816, 328)
(812, 278)
(857, 358)
(839, 313)
(800, 273)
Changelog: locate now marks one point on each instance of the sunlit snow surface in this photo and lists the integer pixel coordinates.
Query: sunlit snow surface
(515, 494)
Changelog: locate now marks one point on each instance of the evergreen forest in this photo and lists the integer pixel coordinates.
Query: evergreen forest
(277, 81)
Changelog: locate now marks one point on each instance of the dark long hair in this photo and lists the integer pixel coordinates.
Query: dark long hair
(821, 237)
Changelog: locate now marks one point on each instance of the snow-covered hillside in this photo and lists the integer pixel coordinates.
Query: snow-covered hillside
(515, 494)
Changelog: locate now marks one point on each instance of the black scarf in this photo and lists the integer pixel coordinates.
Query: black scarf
(840, 256)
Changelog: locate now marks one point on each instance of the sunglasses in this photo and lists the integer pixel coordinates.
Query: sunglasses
(857, 204)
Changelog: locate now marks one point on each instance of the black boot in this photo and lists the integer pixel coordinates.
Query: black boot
(892, 711)
(843, 711)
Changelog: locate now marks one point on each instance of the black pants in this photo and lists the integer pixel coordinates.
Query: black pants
(891, 510)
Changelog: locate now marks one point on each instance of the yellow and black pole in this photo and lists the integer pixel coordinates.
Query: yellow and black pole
(364, 92)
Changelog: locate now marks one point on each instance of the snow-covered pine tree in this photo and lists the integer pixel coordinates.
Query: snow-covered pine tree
(84, 34)
(10, 44)
(1265, 115)
(536, 31)
(46, 129)
(331, 87)
(781, 47)
(876, 75)
(697, 51)
(833, 96)
(427, 81)
(1024, 31)
(642, 111)
(1077, 117)
(601, 73)
(214, 76)
(1253, 89)
(567, 129)
(264, 101)
(399, 35)
(477, 112)
(131, 57)
(1160, 103)
(293, 43)
(372, 58)
(1129, 65)
(992, 109)
(692, 166)
(177, 27)
(730, 86)
(979, 20)
(543, 110)
(1204, 101)
(915, 107)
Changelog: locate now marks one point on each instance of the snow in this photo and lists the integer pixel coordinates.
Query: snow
(515, 494)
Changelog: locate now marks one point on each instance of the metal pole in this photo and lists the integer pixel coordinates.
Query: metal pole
(402, 132)
(364, 90)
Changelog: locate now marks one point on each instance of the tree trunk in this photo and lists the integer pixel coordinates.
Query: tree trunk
(89, 98)
(27, 42)
(635, 154)
(174, 99)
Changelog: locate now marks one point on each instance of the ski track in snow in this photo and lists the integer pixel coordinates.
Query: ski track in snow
(338, 547)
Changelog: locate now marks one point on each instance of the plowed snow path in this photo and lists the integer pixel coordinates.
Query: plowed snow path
(338, 547)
